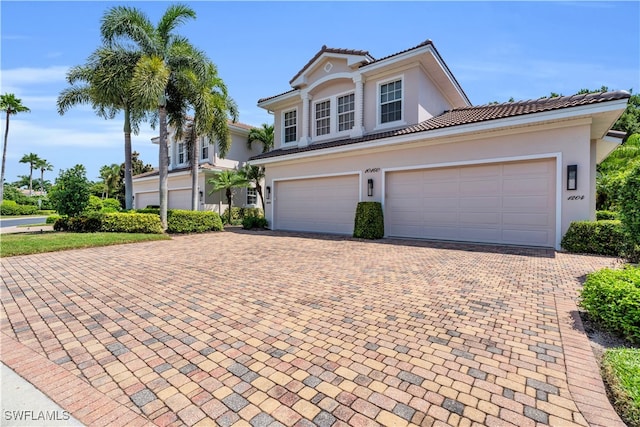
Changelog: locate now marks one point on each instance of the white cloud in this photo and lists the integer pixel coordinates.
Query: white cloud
(29, 76)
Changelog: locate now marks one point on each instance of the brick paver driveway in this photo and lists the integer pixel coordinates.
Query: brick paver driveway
(269, 328)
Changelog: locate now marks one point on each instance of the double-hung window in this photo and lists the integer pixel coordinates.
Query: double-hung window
(323, 118)
(346, 108)
(182, 153)
(290, 126)
(204, 150)
(391, 101)
(252, 196)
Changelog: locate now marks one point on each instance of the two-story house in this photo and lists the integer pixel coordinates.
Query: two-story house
(400, 130)
(146, 186)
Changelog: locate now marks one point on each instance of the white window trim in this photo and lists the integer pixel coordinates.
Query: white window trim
(183, 152)
(255, 196)
(204, 143)
(295, 141)
(333, 116)
(402, 121)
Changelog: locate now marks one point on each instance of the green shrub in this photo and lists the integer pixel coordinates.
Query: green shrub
(606, 215)
(131, 223)
(51, 219)
(183, 221)
(111, 205)
(79, 224)
(238, 214)
(629, 201)
(369, 221)
(594, 237)
(94, 205)
(70, 194)
(10, 207)
(149, 210)
(612, 298)
(251, 222)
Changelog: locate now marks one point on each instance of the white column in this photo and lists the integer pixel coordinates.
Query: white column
(304, 138)
(358, 126)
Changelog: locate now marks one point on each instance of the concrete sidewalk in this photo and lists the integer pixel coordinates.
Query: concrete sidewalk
(24, 405)
(31, 229)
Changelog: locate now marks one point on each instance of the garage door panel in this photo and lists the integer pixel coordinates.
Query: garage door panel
(498, 203)
(319, 204)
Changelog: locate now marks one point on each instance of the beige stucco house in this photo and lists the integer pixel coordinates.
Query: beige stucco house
(146, 186)
(400, 130)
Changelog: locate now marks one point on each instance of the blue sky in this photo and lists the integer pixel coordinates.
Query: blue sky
(496, 50)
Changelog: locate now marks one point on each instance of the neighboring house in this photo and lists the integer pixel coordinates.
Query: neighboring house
(400, 130)
(146, 185)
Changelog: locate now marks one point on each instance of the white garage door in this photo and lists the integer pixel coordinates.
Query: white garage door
(142, 200)
(179, 199)
(512, 203)
(326, 205)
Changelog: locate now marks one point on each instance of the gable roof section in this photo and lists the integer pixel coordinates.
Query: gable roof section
(330, 50)
(467, 115)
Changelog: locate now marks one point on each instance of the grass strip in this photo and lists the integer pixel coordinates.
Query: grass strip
(33, 243)
(621, 372)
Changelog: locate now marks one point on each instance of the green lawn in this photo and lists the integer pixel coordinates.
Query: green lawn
(621, 371)
(33, 243)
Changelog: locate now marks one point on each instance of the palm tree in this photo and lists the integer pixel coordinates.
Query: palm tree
(164, 56)
(228, 180)
(11, 105)
(110, 177)
(33, 160)
(264, 135)
(105, 82)
(208, 97)
(43, 165)
(255, 174)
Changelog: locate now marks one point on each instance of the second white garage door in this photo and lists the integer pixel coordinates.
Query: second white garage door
(326, 205)
(512, 203)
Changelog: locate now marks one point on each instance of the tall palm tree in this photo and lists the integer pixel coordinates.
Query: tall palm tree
(255, 174)
(264, 135)
(44, 166)
(207, 96)
(164, 56)
(110, 177)
(105, 82)
(228, 180)
(11, 106)
(33, 160)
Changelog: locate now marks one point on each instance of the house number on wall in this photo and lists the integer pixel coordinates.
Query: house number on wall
(372, 170)
(575, 197)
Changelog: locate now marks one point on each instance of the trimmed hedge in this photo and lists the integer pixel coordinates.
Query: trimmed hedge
(612, 298)
(51, 219)
(238, 214)
(595, 237)
(606, 215)
(251, 222)
(79, 224)
(131, 223)
(369, 221)
(9, 207)
(183, 221)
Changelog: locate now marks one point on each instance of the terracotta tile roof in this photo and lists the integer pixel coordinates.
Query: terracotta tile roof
(463, 116)
(275, 96)
(156, 172)
(326, 49)
(424, 43)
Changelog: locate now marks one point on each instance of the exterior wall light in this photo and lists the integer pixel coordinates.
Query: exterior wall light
(370, 187)
(268, 193)
(572, 177)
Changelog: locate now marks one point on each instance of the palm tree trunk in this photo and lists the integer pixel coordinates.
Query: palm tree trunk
(163, 167)
(31, 179)
(259, 190)
(4, 157)
(128, 178)
(41, 180)
(195, 160)
(229, 197)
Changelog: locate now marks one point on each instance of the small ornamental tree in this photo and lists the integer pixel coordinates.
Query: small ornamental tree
(70, 194)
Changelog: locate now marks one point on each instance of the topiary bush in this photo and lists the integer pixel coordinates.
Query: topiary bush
(369, 221)
(594, 237)
(51, 219)
(612, 298)
(94, 205)
(251, 222)
(131, 223)
(606, 215)
(183, 221)
(111, 205)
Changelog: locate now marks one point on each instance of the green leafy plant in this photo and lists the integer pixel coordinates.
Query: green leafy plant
(629, 201)
(606, 215)
(121, 222)
(183, 221)
(612, 299)
(369, 221)
(621, 372)
(70, 194)
(51, 219)
(594, 237)
(10, 207)
(251, 222)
